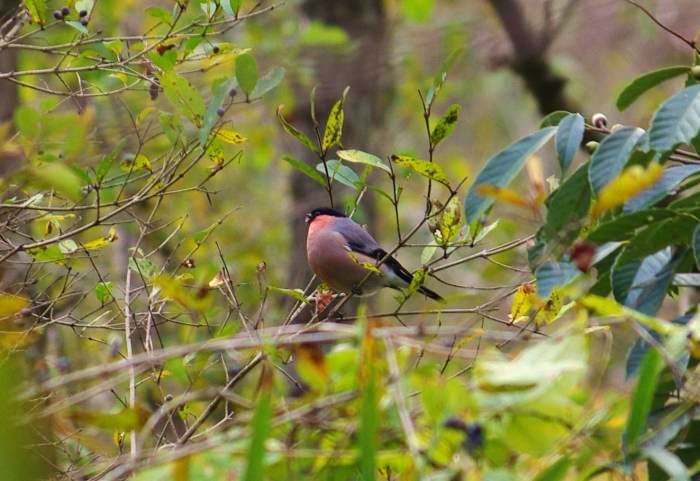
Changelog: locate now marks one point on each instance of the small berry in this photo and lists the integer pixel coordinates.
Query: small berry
(695, 71)
(216, 49)
(84, 22)
(232, 92)
(592, 146)
(57, 15)
(65, 11)
(616, 127)
(582, 254)
(82, 13)
(599, 120)
(220, 111)
(153, 90)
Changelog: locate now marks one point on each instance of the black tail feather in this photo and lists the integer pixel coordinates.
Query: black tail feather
(403, 273)
(431, 294)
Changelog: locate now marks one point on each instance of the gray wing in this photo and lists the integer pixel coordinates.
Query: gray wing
(358, 239)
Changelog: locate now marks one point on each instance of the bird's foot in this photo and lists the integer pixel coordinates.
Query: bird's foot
(356, 290)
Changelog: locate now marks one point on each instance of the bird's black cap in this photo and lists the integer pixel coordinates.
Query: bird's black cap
(323, 211)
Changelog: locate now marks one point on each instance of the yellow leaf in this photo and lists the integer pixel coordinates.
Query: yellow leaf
(446, 226)
(11, 305)
(140, 162)
(103, 241)
(535, 172)
(230, 137)
(550, 310)
(365, 265)
(218, 280)
(628, 184)
(181, 469)
(503, 194)
(422, 167)
(312, 367)
(603, 306)
(194, 300)
(523, 300)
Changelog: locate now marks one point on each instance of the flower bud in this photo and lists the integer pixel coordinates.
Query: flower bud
(599, 120)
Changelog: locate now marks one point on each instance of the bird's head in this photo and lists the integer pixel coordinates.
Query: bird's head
(322, 212)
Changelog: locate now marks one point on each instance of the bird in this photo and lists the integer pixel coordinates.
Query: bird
(343, 255)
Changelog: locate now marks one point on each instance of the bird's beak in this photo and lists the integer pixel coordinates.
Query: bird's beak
(307, 218)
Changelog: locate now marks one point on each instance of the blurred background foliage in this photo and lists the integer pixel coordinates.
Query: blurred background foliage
(250, 216)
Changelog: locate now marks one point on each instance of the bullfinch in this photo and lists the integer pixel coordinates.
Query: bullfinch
(341, 253)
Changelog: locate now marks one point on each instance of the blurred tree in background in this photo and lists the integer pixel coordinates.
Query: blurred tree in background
(535, 161)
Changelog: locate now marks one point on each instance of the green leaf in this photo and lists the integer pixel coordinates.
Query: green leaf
(696, 245)
(297, 294)
(261, 425)
(37, 10)
(642, 399)
(534, 369)
(142, 266)
(28, 121)
(623, 227)
(642, 285)
(246, 73)
(107, 161)
(211, 117)
(671, 178)
(300, 136)
(441, 76)
(50, 253)
(419, 11)
(171, 125)
(669, 462)
(231, 7)
(677, 230)
(334, 125)
(78, 26)
(165, 61)
(445, 125)
(552, 119)
(677, 121)
(159, 13)
(554, 274)
(342, 173)
(611, 156)
(425, 168)
(567, 206)
(501, 169)
(557, 471)
(59, 177)
(306, 169)
(361, 157)
(103, 291)
(369, 428)
(268, 82)
(183, 96)
(321, 34)
(686, 280)
(568, 139)
(646, 82)
(68, 246)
